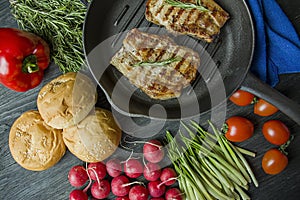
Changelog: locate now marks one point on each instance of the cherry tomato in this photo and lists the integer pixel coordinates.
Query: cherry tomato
(241, 98)
(238, 129)
(276, 132)
(274, 161)
(264, 108)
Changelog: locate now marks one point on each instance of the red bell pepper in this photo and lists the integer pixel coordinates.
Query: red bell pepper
(23, 58)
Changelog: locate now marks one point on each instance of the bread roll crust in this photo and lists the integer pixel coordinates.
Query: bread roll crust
(95, 138)
(33, 144)
(66, 100)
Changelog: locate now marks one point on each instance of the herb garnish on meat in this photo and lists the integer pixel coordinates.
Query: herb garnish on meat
(160, 63)
(183, 5)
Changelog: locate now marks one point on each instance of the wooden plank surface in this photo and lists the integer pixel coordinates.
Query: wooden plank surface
(18, 183)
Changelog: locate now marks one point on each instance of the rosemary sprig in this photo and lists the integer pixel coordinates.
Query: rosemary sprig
(59, 22)
(160, 63)
(183, 5)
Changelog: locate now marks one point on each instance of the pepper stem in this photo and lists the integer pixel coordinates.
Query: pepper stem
(30, 64)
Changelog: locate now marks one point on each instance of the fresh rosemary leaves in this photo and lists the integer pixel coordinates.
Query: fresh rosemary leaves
(160, 63)
(184, 5)
(60, 23)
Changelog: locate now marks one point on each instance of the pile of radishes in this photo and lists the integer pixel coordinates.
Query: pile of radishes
(120, 178)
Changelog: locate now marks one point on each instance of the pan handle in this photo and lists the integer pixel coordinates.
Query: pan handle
(287, 106)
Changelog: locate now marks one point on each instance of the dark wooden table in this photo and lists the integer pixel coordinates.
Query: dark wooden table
(18, 183)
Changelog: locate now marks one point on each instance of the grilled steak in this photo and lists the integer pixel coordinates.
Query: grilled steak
(191, 21)
(156, 64)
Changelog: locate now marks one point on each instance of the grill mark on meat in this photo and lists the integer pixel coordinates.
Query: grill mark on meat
(161, 54)
(158, 82)
(168, 13)
(179, 64)
(187, 20)
(177, 15)
(175, 51)
(199, 21)
(200, 24)
(159, 9)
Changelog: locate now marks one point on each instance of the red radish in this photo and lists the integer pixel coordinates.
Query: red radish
(78, 176)
(78, 195)
(138, 192)
(173, 194)
(97, 169)
(168, 176)
(153, 151)
(122, 198)
(133, 168)
(152, 171)
(100, 190)
(157, 198)
(114, 167)
(156, 188)
(119, 186)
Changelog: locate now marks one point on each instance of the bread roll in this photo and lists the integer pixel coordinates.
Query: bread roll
(33, 144)
(66, 100)
(95, 138)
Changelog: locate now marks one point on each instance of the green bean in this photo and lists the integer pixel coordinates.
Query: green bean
(245, 152)
(246, 165)
(236, 160)
(198, 182)
(230, 171)
(241, 192)
(219, 174)
(226, 153)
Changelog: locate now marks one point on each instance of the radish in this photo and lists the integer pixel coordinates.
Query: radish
(156, 188)
(168, 176)
(97, 170)
(152, 171)
(100, 190)
(119, 186)
(173, 194)
(157, 198)
(138, 192)
(153, 151)
(114, 167)
(133, 168)
(78, 195)
(78, 176)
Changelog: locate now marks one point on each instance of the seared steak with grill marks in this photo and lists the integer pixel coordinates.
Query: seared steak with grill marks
(191, 21)
(140, 60)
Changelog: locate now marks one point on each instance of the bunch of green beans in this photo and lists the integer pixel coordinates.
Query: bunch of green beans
(209, 166)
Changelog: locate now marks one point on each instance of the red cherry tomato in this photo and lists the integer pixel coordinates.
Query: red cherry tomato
(274, 161)
(241, 98)
(263, 108)
(276, 132)
(238, 129)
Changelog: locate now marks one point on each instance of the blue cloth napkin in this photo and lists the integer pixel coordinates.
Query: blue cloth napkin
(277, 46)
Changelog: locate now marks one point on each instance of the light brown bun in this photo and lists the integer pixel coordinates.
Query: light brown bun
(95, 138)
(66, 100)
(33, 144)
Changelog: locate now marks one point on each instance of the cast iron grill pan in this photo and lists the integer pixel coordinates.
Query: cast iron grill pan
(231, 52)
